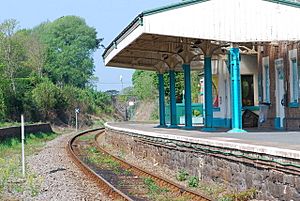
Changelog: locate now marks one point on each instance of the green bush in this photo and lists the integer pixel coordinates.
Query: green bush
(193, 181)
(45, 97)
(182, 175)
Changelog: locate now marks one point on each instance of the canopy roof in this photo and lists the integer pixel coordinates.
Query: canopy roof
(166, 37)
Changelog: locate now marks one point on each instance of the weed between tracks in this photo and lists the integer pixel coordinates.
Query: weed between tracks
(87, 137)
(136, 187)
(11, 179)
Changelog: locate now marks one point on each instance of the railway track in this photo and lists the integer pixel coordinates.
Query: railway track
(120, 180)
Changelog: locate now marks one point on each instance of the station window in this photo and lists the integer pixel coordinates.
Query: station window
(294, 81)
(247, 90)
(266, 80)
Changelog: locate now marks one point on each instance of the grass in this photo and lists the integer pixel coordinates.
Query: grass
(240, 196)
(11, 179)
(193, 182)
(157, 193)
(154, 192)
(9, 124)
(87, 137)
(95, 157)
(182, 175)
(98, 123)
(12, 124)
(216, 191)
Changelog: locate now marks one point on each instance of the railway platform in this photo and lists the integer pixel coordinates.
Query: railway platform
(266, 160)
(281, 143)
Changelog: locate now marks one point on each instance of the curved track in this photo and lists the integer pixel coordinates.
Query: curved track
(130, 180)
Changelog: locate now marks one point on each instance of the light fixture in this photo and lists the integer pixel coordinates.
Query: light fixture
(179, 49)
(165, 56)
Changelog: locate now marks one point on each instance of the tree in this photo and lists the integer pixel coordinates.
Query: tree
(195, 85)
(35, 51)
(145, 84)
(46, 72)
(2, 106)
(70, 44)
(11, 51)
(45, 97)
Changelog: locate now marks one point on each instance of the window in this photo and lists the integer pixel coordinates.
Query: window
(266, 80)
(294, 81)
(247, 90)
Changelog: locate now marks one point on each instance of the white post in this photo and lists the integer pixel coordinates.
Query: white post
(121, 79)
(22, 140)
(77, 110)
(76, 121)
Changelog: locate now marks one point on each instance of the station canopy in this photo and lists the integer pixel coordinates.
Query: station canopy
(169, 36)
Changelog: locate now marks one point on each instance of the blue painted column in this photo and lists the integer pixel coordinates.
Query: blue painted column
(187, 96)
(161, 89)
(173, 115)
(208, 101)
(236, 100)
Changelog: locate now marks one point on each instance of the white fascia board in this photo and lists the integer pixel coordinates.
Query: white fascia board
(131, 37)
(231, 20)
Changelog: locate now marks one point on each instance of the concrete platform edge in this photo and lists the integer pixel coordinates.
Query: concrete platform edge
(274, 151)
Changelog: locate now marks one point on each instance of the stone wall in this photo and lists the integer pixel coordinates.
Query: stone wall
(235, 169)
(15, 132)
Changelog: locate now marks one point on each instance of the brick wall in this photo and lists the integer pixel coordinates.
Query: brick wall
(281, 50)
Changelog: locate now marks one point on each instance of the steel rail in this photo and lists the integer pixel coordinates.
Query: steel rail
(112, 191)
(195, 196)
(107, 188)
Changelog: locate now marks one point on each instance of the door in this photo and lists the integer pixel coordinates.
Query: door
(280, 102)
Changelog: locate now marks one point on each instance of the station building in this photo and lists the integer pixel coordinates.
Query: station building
(248, 51)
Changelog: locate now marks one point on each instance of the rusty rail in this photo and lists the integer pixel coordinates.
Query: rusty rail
(195, 196)
(105, 186)
(112, 191)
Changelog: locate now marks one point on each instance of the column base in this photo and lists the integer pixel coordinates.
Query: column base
(236, 130)
(208, 129)
(173, 126)
(161, 126)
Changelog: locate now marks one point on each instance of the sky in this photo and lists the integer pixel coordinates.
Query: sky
(109, 17)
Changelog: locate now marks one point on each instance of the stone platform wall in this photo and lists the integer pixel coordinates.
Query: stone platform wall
(238, 170)
(15, 132)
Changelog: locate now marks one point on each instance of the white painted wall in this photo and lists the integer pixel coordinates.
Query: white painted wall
(248, 66)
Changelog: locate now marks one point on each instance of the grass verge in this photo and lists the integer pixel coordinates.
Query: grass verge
(12, 183)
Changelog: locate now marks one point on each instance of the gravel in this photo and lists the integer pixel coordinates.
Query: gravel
(61, 179)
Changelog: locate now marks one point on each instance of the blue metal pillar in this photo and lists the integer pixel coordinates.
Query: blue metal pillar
(208, 102)
(162, 113)
(236, 100)
(173, 115)
(187, 96)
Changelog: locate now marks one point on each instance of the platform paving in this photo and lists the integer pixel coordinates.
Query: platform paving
(279, 143)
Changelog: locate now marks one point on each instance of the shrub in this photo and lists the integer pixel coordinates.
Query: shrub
(193, 181)
(182, 175)
(44, 95)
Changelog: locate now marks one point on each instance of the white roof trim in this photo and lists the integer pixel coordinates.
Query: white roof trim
(230, 20)
(235, 21)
